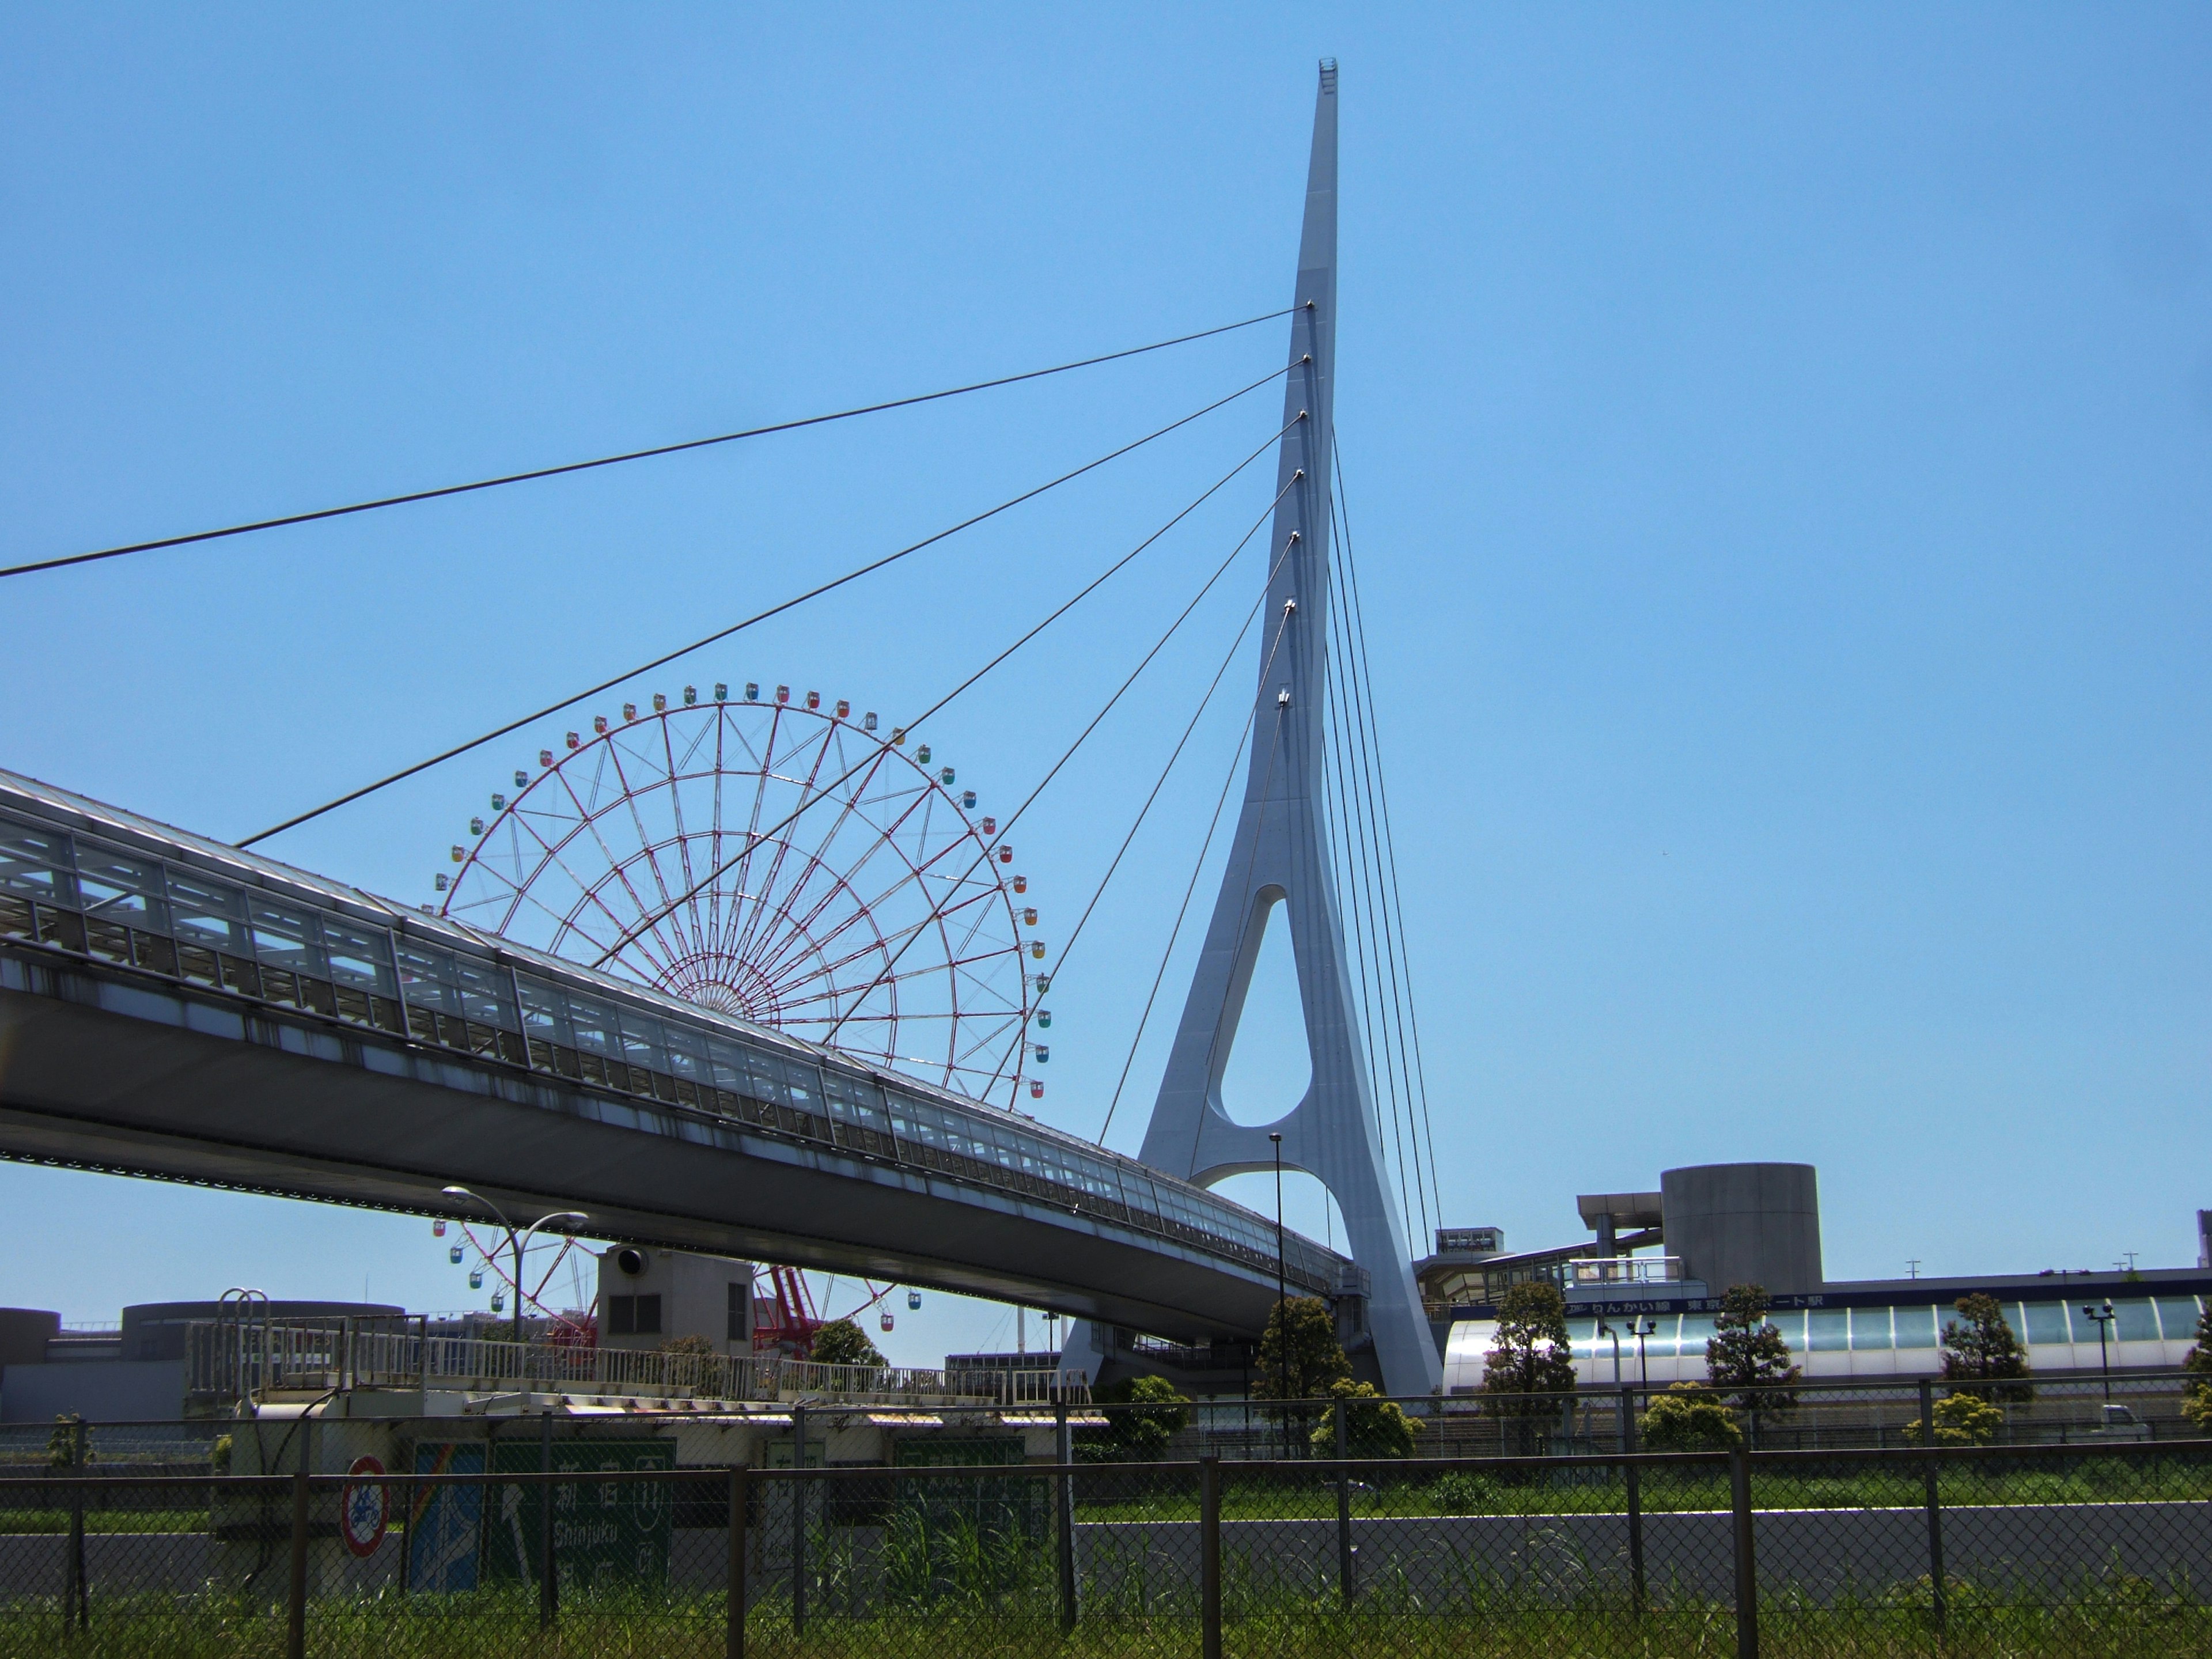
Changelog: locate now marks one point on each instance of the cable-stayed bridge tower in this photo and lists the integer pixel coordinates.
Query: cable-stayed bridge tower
(1280, 857)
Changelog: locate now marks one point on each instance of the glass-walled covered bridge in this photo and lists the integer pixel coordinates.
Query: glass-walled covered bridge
(174, 1007)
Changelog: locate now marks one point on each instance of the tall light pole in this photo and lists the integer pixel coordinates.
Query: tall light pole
(1282, 1320)
(1639, 1328)
(1604, 1330)
(2104, 1317)
(517, 1241)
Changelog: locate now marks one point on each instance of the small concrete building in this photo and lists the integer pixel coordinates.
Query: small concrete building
(650, 1298)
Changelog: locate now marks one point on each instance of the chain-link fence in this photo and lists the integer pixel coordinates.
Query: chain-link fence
(1994, 1550)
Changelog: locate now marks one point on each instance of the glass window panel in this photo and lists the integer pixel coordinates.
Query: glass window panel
(1915, 1327)
(358, 957)
(1830, 1330)
(686, 1052)
(487, 993)
(35, 862)
(766, 1071)
(1697, 1331)
(1870, 1328)
(2177, 1316)
(2084, 1328)
(1790, 1322)
(127, 890)
(731, 1071)
(207, 913)
(804, 1083)
(289, 939)
(2046, 1322)
(2136, 1320)
(593, 1024)
(1581, 1338)
(427, 976)
(543, 1015)
(643, 1042)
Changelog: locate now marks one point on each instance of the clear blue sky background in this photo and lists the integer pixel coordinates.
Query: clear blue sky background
(1779, 443)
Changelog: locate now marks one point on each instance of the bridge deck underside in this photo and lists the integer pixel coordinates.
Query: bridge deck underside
(96, 1072)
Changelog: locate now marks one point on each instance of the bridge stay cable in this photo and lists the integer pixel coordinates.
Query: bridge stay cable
(1197, 869)
(1355, 897)
(1082, 593)
(1175, 755)
(1076, 932)
(442, 490)
(516, 725)
(1143, 662)
(1406, 1015)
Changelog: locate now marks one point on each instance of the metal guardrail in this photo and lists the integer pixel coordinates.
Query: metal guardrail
(230, 1360)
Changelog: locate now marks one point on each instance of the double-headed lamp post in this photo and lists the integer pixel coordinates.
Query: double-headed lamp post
(1639, 1328)
(2104, 1316)
(518, 1242)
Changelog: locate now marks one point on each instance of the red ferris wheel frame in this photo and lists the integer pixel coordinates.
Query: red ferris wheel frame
(776, 862)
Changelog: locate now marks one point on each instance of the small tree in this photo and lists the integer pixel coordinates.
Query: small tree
(1143, 1417)
(1962, 1420)
(1687, 1417)
(62, 1443)
(1373, 1426)
(1981, 1355)
(690, 1360)
(1299, 1355)
(842, 1342)
(1747, 1354)
(1530, 1362)
(2197, 1402)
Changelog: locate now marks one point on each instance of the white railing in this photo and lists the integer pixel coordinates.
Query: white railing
(1625, 1270)
(234, 1360)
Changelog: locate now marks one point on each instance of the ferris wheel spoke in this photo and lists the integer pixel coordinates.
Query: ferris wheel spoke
(733, 945)
(886, 835)
(663, 912)
(618, 870)
(676, 774)
(785, 844)
(873, 915)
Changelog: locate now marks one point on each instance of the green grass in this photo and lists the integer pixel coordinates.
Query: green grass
(2126, 1624)
(1473, 1493)
(50, 1521)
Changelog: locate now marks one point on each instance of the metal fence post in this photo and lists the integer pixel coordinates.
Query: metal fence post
(733, 1637)
(1347, 1564)
(1747, 1569)
(295, 1631)
(78, 1605)
(1633, 1481)
(548, 1580)
(1932, 1476)
(799, 1520)
(1063, 1447)
(1209, 1557)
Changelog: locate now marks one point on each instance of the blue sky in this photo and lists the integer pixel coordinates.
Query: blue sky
(1779, 446)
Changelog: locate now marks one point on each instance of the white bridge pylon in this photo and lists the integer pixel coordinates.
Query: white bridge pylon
(1281, 857)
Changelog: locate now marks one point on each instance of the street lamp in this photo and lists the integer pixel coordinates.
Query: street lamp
(1604, 1330)
(1640, 1327)
(1282, 1332)
(519, 1242)
(2104, 1319)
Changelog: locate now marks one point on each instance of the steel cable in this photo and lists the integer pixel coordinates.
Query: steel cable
(1090, 588)
(615, 460)
(737, 628)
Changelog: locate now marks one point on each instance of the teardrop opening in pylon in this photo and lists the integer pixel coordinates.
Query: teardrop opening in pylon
(1270, 1062)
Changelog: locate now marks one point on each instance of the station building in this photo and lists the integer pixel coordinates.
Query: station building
(1642, 1293)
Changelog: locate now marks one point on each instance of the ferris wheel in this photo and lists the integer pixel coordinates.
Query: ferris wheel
(780, 862)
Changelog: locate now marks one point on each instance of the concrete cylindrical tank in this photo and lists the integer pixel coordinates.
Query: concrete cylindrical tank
(1736, 1223)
